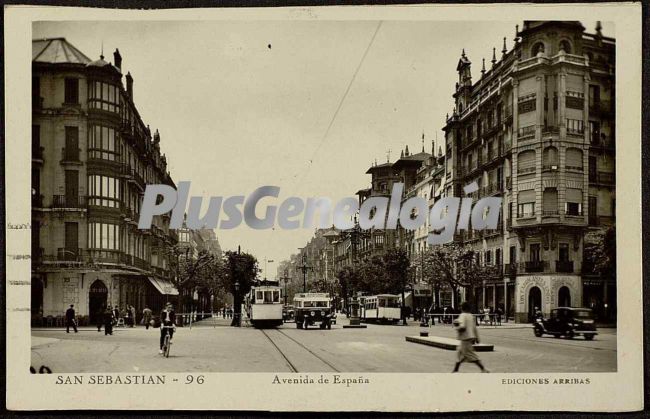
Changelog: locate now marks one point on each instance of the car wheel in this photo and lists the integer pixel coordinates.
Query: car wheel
(329, 326)
(298, 325)
(570, 334)
(589, 337)
(538, 333)
(306, 325)
(556, 335)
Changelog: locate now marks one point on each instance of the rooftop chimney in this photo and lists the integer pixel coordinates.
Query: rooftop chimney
(117, 59)
(129, 85)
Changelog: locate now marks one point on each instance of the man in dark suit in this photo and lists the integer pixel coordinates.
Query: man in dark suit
(108, 321)
(70, 319)
(167, 318)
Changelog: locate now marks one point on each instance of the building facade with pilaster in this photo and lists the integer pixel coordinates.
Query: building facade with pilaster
(537, 129)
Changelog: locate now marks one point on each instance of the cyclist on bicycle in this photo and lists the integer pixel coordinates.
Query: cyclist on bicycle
(167, 318)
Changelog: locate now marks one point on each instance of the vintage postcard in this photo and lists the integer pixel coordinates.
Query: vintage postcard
(414, 208)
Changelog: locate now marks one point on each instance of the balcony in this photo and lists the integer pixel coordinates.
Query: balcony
(69, 254)
(574, 169)
(70, 155)
(526, 133)
(507, 113)
(606, 178)
(510, 269)
(136, 178)
(493, 271)
(550, 213)
(526, 170)
(602, 107)
(68, 202)
(565, 266)
(140, 263)
(550, 167)
(535, 266)
(104, 256)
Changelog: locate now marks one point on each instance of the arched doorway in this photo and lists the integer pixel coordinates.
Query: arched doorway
(97, 299)
(564, 297)
(37, 297)
(534, 300)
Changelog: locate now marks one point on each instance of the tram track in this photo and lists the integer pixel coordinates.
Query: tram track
(284, 355)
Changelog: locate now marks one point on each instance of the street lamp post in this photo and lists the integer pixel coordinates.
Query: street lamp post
(286, 280)
(304, 268)
(237, 306)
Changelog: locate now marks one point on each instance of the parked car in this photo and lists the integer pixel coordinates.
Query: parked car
(568, 322)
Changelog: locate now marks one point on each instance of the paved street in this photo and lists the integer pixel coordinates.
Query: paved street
(215, 347)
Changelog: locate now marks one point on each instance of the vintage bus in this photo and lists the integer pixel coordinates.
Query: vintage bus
(313, 308)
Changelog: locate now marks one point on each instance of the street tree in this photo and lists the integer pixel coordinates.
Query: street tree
(458, 266)
(240, 273)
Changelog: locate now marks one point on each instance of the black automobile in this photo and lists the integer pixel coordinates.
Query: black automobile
(568, 322)
(288, 313)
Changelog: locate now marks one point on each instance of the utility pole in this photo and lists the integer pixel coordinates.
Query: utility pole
(304, 268)
(285, 278)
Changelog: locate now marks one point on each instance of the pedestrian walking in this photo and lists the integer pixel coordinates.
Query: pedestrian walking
(70, 319)
(116, 314)
(467, 335)
(133, 319)
(499, 313)
(99, 318)
(108, 321)
(146, 316)
(224, 312)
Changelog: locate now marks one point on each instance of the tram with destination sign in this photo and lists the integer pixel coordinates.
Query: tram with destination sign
(264, 304)
(382, 308)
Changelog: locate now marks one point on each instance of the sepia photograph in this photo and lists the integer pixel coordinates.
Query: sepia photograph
(523, 112)
(319, 208)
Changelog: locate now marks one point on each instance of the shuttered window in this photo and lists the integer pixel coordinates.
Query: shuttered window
(574, 159)
(526, 162)
(550, 201)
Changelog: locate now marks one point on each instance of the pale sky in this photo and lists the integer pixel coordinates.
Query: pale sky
(234, 114)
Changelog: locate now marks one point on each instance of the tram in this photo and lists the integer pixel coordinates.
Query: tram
(264, 304)
(382, 308)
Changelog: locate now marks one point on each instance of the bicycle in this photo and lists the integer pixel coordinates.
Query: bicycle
(167, 343)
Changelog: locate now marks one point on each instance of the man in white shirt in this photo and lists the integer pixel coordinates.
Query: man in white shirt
(467, 335)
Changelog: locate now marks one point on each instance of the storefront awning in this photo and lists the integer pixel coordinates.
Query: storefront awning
(163, 286)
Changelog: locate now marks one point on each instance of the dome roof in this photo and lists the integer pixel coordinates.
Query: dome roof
(102, 64)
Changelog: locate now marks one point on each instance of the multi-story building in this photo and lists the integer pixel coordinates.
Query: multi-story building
(92, 156)
(537, 129)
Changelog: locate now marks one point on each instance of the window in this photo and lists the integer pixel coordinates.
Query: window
(103, 191)
(563, 252)
(575, 126)
(550, 158)
(550, 201)
(497, 257)
(594, 129)
(71, 91)
(103, 96)
(574, 159)
(535, 249)
(102, 143)
(565, 46)
(594, 95)
(103, 236)
(488, 257)
(537, 48)
(526, 162)
(71, 150)
(573, 206)
(379, 239)
(526, 209)
(526, 204)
